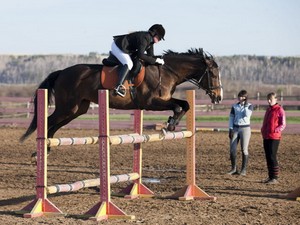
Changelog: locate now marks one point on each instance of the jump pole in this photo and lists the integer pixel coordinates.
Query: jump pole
(293, 195)
(191, 191)
(41, 206)
(59, 188)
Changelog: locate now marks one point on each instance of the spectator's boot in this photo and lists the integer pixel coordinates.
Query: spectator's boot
(233, 165)
(244, 165)
(120, 89)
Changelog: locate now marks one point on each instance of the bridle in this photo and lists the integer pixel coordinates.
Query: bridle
(210, 87)
(197, 82)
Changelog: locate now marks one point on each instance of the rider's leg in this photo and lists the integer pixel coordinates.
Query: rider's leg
(127, 65)
(120, 89)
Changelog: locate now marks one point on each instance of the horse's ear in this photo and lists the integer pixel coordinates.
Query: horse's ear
(207, 55)
(208, 61)
(201, 51)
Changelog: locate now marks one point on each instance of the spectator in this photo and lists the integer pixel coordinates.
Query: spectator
(239, 130)
(273, 124)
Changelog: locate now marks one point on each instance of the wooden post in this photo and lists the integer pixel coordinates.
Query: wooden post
(41, 205)
(105, 209)
(137, 189)
(191, 190)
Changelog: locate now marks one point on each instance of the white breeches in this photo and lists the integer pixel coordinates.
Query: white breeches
(121, 56)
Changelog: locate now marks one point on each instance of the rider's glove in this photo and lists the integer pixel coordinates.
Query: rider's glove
(160, 61)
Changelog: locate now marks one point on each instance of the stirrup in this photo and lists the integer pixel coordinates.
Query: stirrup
(120, 90)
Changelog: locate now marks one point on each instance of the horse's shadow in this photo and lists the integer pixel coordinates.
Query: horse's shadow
(15, 201)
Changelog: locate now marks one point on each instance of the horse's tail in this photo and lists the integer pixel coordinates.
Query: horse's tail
(48, 84)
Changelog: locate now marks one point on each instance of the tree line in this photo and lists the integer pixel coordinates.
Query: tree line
(267, 70)
(236, 70)
(32, 69)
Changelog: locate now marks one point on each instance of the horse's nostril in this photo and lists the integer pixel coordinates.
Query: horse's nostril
(219, 99)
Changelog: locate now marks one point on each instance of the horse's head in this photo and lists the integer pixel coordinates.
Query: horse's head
(198, 68)
(207, 75)
(211, 80)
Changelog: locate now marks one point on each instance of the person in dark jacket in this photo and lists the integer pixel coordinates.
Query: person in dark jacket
(274, 123)
(139, 44)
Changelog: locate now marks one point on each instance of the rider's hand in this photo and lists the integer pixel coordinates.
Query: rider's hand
(160, 61)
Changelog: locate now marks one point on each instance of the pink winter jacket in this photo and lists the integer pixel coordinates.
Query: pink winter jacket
(274, 122)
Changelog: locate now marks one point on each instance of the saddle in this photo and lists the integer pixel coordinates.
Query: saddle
(109, 74)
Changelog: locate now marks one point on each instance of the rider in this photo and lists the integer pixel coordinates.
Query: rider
(136, 43)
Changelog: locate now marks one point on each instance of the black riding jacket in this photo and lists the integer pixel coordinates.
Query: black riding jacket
(137, 43)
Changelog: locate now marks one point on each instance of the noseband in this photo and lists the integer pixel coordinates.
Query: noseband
(198, 82)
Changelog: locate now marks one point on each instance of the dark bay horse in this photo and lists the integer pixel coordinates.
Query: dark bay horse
(75, 87)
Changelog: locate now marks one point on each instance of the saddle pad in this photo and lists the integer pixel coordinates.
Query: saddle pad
(109, 77)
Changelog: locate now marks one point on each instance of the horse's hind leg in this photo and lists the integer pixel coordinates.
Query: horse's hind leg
(58, 119)
(55, 124)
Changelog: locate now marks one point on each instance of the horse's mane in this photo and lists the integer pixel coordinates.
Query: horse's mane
(198, 52)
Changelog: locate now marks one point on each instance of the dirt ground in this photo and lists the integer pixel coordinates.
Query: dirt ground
(240, 200)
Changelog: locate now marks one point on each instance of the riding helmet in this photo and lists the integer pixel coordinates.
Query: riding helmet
(157, 29)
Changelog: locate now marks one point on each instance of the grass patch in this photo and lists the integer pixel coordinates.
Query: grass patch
(254, 119)
(127, 117)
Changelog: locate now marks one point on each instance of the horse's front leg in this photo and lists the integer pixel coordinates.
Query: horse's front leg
(173, 121)
(180, 107)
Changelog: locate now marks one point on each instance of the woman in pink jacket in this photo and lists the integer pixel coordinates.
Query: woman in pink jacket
(273, 124)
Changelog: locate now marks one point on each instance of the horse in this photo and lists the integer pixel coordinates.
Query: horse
(75, 87)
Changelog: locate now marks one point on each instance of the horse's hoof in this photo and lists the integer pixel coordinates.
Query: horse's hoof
(171, 127)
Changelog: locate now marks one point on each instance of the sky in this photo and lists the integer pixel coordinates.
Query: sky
(220, 27)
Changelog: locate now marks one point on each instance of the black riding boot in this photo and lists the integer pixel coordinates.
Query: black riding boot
(120, 89)
(244, 164)
(233, 165)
